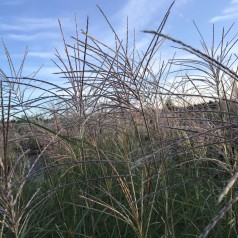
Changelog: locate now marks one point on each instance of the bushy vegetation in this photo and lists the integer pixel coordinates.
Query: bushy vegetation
(128, 147)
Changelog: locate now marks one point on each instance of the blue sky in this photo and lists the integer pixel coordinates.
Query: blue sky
(34, 24)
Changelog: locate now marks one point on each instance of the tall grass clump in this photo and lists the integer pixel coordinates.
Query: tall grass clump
(126, 146)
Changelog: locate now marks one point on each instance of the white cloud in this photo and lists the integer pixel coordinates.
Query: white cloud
(223, 18)
(43, 73)
(34, 24)
(33, 37)
(36, 54)
(229, 13)
(183, 2)
(233, 9)
(141, 16)
(139, 12)
(12, 2)
(40, 54)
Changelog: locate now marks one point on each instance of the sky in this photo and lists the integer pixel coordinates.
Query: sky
(34, 24)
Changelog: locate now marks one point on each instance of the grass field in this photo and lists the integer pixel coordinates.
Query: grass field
(130, 146)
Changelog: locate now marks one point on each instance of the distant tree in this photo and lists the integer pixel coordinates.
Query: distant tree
(170, 105)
